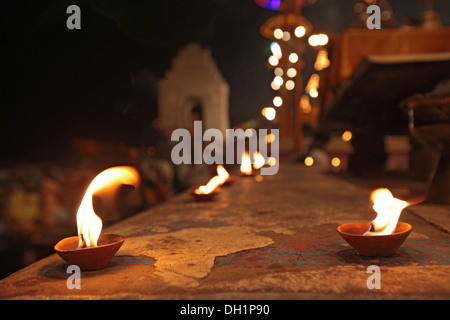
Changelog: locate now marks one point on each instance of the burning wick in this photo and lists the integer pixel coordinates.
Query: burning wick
(88, 223)
(246, 165)
(83, 242)
(82, 250)
(388, 211)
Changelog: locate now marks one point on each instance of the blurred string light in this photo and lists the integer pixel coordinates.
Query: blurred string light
(285, 29)
(273, 61)
(277, 101)
(318, 40)
(276, 49)
(293, 57)
(335, 162)
(346, 136)
(309, 161)
(278, 33)
(269, 113)
(274, 86)
(300, 31)
(313, 85)
(290, 85)
(291, 72)
(272, 161)
(270, 138)
(322, 60)
(305, 105)
(286, 36)
(278, 71)
(278, 81)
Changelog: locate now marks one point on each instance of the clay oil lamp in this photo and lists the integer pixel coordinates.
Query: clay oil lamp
(91, 250)
(384, 235)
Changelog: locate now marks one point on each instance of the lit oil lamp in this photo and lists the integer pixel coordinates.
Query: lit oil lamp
(258, 161)
(91, 250)
(226, 178)
(207, 192)
(211, 189)
(384, 235)
(246, 165)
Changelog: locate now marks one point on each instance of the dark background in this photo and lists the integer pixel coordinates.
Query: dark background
(58, 84)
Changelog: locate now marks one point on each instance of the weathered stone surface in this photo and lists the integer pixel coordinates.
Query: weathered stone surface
(269, 239)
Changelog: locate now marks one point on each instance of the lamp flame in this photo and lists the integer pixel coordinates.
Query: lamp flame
(388, 211)
(88, 223)
(258, 160)
(216, 181)
(246, 164)
(222, 173)
(210, 186)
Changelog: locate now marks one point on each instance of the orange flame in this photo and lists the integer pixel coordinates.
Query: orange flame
(216, 181)
(88, 223)
(222, 173)
(388, 211)
(259, 160)
(210, 186)
(246, 164)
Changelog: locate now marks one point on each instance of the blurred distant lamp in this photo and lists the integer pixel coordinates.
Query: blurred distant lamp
(288, 27)
(313, 93)
(346, 136)
(274, 86)
(293, 57)
(278, 71)
(300, 31)
(284, 25)
(316, 40)
(278, 33)
(269, 113)
(305, 105)
(290, 85)
(291, 72)
(276, 49)
(278, 81)
(313, 85)
(286, 36)
(277, 101)
(322, 60)
(309, 161)
(273, 61)
(335, 162)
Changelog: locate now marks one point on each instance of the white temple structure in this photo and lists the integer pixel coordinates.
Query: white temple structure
(194, 89)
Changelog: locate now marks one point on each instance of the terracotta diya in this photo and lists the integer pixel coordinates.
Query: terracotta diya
(374, 245)
(204, 196)
(90, 250)
(89, 258)
(384, 235)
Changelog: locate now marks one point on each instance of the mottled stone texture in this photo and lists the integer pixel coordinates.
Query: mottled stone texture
(272, 237)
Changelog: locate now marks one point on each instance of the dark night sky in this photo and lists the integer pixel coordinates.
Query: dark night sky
(59, 83)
